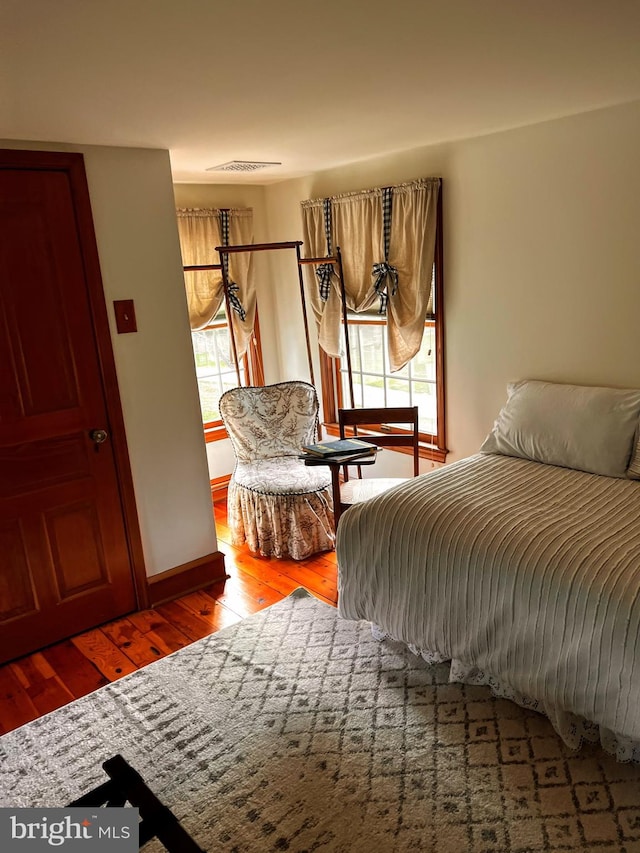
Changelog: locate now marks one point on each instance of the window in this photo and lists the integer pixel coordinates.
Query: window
(420, 383)
(200, 231)
(216, 372)
(392, 284)
(373, 383)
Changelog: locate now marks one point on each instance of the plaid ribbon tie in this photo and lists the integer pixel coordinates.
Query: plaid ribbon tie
(232, 288)
(324, 273)
(384, 274)
(234, 299)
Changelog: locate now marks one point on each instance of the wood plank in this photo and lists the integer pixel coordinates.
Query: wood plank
(317, 574)
(286, 584)
(323, 564)
(104, 654)
(75, 671)
(297, 573)
(236, 556)
(16, 707)
(40, 683)
(282, 580)
(316, 583)
(185, 619)
(206, 607)
(31, 670)
(223, 533)
(160, 633)
(278, 581)
(147, 621)
(231, 553)
(266, 569)
(137, 646)
(243, 594)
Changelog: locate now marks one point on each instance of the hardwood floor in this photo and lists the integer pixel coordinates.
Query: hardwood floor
(36, 684)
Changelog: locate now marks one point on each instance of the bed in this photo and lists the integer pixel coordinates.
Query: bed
(523, 572)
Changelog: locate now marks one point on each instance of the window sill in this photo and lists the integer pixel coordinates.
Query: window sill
(216, 433)
(426, 451)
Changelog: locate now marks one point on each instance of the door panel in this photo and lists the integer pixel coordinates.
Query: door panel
(75, 543)
(64, 560)
(17, 593)
(43, 375)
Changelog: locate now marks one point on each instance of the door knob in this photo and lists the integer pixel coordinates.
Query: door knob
(98, 436)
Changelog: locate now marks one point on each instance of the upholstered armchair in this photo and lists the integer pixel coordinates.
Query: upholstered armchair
(279, 506)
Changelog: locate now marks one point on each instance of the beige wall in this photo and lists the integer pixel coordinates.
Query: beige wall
(542, 257)
(134, 217)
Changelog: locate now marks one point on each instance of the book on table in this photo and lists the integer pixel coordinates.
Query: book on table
(360, 457)
(342, 447)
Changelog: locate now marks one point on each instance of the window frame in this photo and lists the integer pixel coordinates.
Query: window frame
(253, 367)
(330, 368)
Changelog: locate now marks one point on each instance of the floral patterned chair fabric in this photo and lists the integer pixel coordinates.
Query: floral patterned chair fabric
(279, 506)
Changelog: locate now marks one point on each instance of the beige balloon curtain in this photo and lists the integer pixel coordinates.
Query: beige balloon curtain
(200, 232)
(386, 262)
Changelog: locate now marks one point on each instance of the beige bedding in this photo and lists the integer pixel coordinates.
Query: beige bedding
(526, 576)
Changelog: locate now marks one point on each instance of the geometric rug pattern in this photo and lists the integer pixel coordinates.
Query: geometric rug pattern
(295, 730)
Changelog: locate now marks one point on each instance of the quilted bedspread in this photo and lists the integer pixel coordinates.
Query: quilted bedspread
(526, 576)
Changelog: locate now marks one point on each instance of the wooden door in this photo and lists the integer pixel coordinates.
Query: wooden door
(65, 561)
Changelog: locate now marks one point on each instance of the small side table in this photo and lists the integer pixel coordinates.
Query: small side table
(335, 463)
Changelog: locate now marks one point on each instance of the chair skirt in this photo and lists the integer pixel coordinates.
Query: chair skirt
(281, 508)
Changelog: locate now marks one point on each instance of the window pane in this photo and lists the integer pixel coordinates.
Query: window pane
(423, 364)
(214, 370)
(357, 391)
(398, 393)
(230, 380)
(372, 347)
(425, 397)
(204, 349)
(209, 390)
(223, 352)
(374, 392)
(354, 346)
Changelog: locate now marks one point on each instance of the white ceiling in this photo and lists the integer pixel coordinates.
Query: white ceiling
(312, 83)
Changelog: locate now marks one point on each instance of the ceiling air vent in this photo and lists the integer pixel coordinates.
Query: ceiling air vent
(242, 166)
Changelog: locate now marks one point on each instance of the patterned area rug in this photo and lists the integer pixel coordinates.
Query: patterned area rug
(295, 730)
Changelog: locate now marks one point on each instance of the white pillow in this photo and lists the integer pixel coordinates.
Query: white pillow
(574, 426)
(633, 471)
